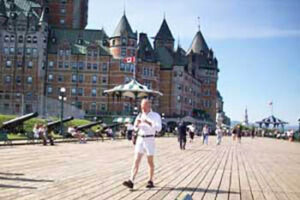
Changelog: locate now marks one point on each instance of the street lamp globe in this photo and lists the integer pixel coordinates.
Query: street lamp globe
(62, 90)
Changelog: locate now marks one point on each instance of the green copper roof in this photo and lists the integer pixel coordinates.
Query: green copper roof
(180, 57)
(145, 50)
(124, 28)
(164, 32)
(165, 57)
(79, 40)
(198, 44)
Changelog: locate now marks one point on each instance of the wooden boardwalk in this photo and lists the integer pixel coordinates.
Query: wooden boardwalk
(256, 169)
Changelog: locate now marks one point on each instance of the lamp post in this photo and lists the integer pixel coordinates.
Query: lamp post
(62, 98)
(135, 111)
(162, 116)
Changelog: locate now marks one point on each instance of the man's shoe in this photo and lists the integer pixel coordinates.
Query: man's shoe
(128, 184)
(150, 184)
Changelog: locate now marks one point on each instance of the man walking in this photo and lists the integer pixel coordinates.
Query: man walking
(219, 133)
(182, 135)
(147, 124)
(205, 133)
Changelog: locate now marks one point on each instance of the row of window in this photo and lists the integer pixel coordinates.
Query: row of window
(186, 89)
(8, 79)
(28, 51)
(206, 103)
(67, 52)
(7, 96)
(29, 39)
(124, 42)
(124, 52)
(127, 67)
(79, 65)
(9, 63)
(77, 78)
(76, 92)
(149, 72)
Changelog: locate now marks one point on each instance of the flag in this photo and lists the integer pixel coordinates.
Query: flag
(129, 59)
(270, 103)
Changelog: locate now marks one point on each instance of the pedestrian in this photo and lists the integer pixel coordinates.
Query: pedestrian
(219, 133)
(253, 132)
(147, 123)
(234, 133)
(205, 133)
(129, 130)
(77, 134)
(290, 135)
(239, 133)
(191, 132)
(182, 135)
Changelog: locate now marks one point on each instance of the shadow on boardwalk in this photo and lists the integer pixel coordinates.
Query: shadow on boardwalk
(16, 187)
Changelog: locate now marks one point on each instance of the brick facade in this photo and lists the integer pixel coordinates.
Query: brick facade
(87, 62)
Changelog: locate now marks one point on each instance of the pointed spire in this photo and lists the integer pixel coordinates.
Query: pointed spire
(2, 9)
(124, 8)
(164, 32)
(198, 44)
(124, 28)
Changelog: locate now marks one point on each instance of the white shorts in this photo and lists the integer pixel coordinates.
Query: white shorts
(145, 145)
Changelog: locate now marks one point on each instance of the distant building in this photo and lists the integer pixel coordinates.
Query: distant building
(66, 13)
(23, 47)
(220, 109)
(44, 47)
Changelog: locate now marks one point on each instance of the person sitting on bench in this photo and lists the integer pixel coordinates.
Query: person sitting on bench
(77, 134)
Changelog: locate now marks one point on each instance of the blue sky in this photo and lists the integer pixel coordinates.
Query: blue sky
(257, 44)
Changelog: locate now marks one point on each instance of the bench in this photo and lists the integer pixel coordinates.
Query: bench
(4, 138)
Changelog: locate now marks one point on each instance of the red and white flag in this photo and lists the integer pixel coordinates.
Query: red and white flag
(129, 59)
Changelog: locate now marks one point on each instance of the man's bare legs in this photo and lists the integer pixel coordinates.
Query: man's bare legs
(136, 165)
(151, 167)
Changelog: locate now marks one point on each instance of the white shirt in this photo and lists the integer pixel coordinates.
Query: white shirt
(144, 128)
(205, 130)
(192, 128)
(129, 127)
(219, 131)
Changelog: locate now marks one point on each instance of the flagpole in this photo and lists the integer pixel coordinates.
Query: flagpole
(134, 69)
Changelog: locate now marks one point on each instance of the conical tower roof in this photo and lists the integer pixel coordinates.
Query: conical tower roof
(124, 27)
(2, 9)
(198, 44)
(164, 32)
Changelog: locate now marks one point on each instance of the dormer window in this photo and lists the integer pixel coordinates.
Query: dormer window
(34, 39)
(28, 39)
(79, 41)
(21, 39)
(124, 41)
(12, 38)
(6, 38)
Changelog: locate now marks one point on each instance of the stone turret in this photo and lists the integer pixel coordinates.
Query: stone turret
(123, 43)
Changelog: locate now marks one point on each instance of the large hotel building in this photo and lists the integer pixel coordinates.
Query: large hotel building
(44, 46)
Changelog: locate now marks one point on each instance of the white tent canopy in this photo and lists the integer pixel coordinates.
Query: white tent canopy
(133, 89)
